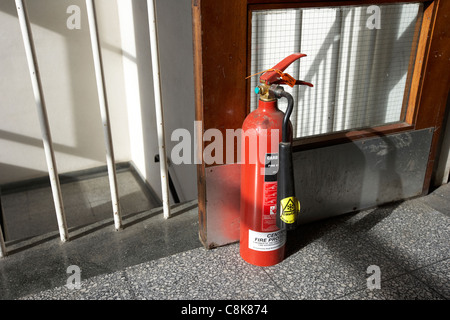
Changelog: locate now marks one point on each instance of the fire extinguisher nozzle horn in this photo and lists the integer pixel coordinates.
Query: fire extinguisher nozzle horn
(304, 83)
(297, 83)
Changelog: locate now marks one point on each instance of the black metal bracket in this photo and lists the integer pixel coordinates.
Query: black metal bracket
(172, 188)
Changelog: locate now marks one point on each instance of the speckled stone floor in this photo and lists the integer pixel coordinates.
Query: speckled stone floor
(407, 242)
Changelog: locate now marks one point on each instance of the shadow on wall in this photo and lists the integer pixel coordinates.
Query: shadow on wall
(65, 61)
(147, 103)
(66, 66)
(70, 91)
(357, 175)
(176, 67)
(66, 69)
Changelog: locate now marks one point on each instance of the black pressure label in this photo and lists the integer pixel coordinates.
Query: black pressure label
(271, 167)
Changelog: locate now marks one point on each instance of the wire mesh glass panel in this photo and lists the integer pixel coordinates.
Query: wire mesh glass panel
(358, 60)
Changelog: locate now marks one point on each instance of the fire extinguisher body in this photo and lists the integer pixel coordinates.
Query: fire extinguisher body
(262, 243)
(268, 204)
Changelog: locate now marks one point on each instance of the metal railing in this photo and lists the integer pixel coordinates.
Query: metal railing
(101, 89)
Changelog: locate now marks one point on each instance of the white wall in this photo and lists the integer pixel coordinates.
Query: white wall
(66, 65)
(177, 74)
(176, 63)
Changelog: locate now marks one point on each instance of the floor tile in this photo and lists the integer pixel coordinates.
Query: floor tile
(443, 191)
(37, 265)
(438, 202)
(329, 268)
(436, 276)
(202, 274)
(411, 233)
(113, 286)
(328, 259)
(404, 287)
(153, 258)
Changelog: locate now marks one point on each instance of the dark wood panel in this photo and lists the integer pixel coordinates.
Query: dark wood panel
(224, 30)
(329, 2)
(198, 85)
(346, 136)
(418, 47)
(420, 63)
(432, 98)
(220, 42)
(270, 4)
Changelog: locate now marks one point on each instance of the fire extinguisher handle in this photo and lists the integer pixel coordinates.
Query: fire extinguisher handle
(272, 77)
(286, 62)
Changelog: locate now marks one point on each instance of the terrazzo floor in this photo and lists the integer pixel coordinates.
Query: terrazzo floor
(407, 242)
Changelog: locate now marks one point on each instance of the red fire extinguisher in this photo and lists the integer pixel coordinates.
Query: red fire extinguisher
(267, 131)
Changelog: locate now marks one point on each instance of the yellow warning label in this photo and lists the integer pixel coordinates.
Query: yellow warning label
(290, 207)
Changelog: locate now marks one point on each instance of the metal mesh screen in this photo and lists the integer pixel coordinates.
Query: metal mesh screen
(358, 60)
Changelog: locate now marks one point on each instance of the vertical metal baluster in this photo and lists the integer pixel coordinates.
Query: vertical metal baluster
(100, 79)
(43, 119)
(158, 107)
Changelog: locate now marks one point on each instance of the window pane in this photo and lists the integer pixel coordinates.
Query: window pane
(358, 61)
